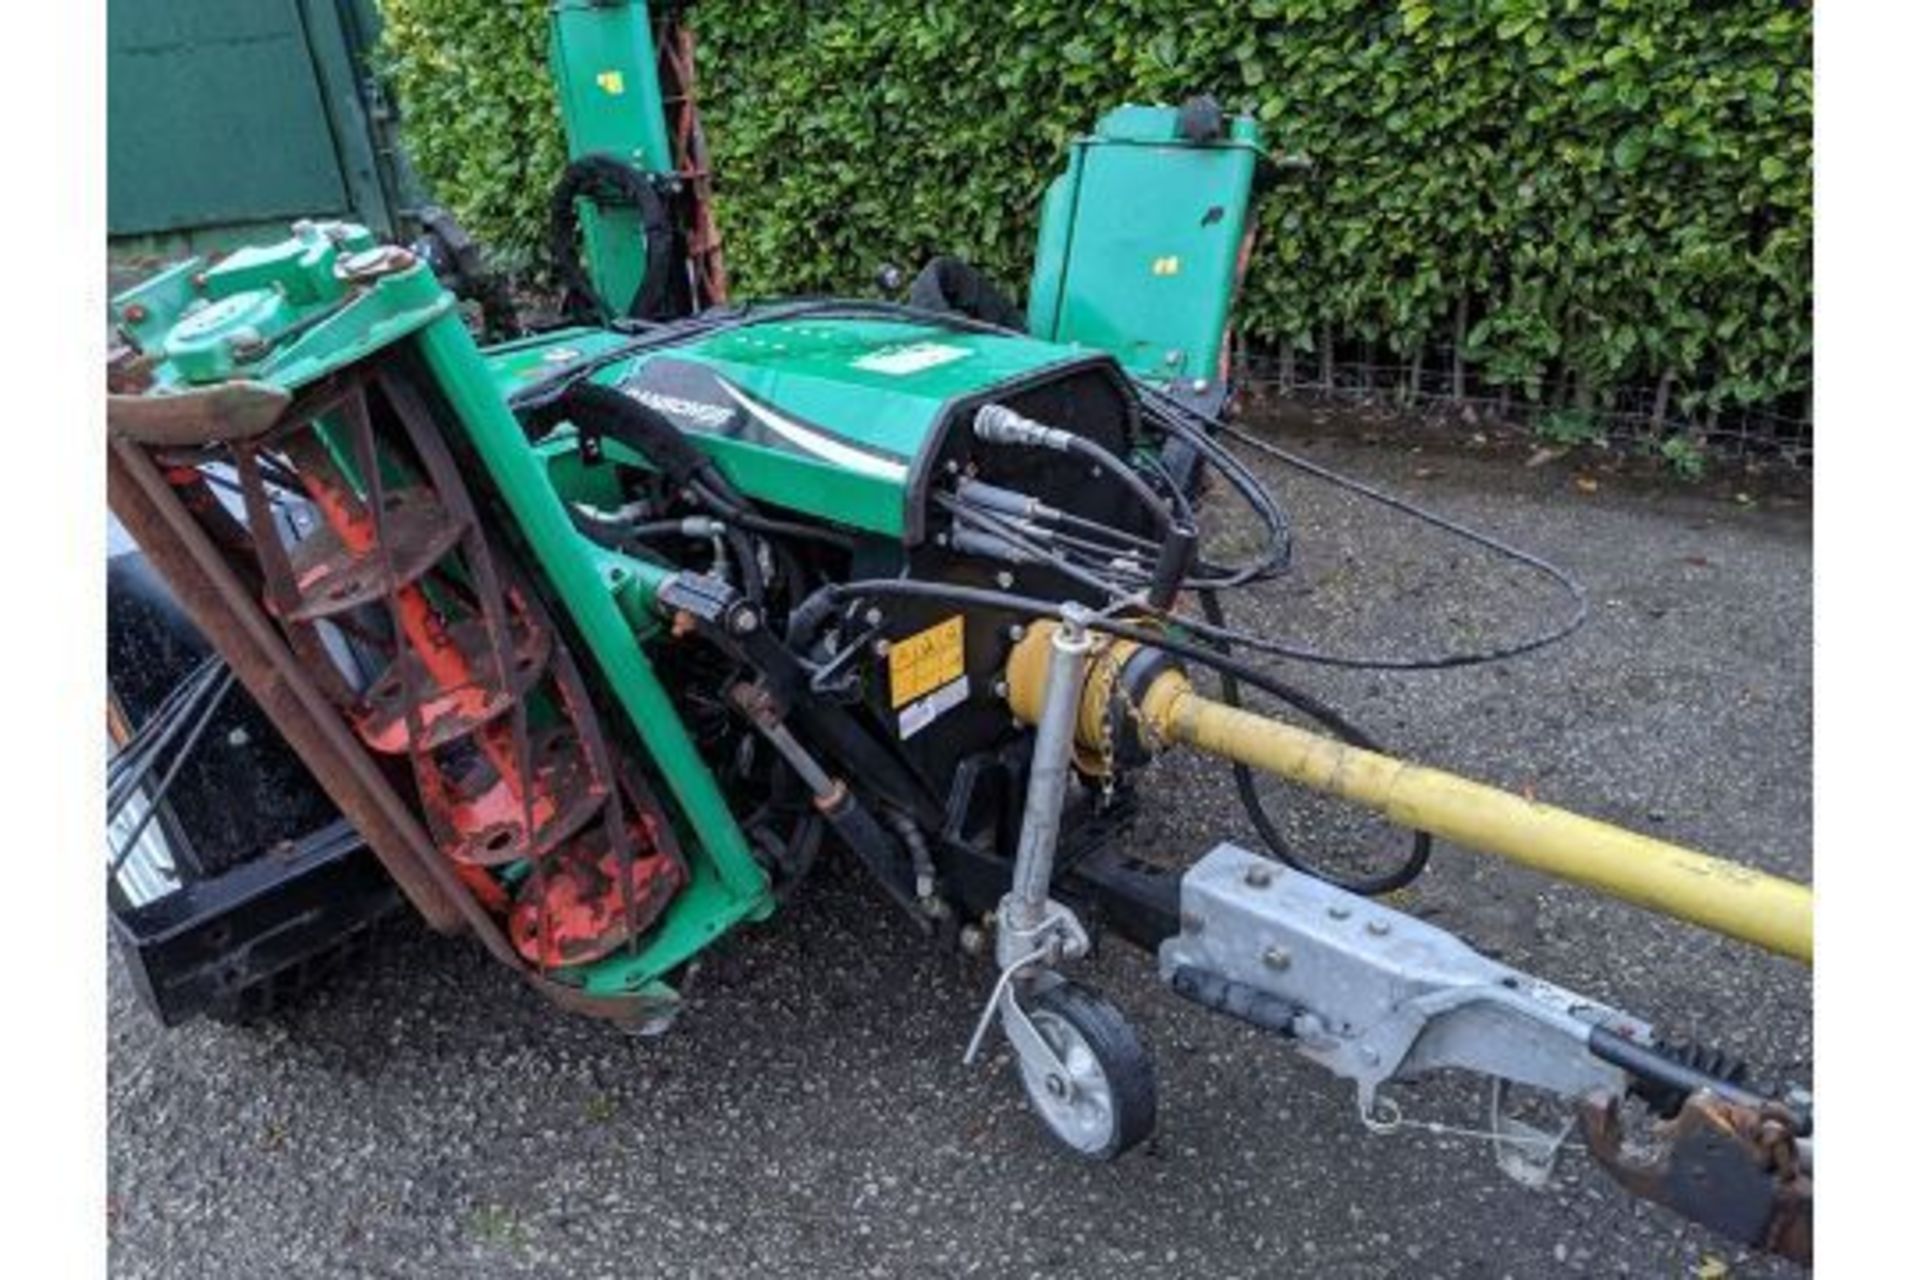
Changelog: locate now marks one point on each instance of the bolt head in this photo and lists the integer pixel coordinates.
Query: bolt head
(1339, 912)
(1004, 578)
(1277, 958)
(745, 621)
(1379, 928)
(1258, 876)
(882, 647)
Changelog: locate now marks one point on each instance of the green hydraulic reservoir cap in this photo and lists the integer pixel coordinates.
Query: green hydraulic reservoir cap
(1140, 242)
(606, 72)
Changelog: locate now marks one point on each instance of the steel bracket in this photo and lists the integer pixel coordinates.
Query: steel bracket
(1376, 995)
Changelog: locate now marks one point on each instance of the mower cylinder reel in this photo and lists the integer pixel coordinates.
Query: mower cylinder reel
(1726, 897)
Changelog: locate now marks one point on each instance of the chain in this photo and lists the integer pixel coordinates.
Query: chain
(1387, 1118)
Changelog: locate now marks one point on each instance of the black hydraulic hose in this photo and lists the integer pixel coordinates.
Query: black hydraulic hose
(627, 538)
(1026, 546)
(129, 753)
(1206, 628)
(125, 775)
(1247, 786)
(1068, 520)
(1172, 516)
(753, 584)
(1136, 484)
(606, 178)
(595, 410)
(750, 519)
(1279, 532)
(1561, 577)
(1182, 505)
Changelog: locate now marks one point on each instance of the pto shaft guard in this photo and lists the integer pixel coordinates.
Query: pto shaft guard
(1723, 896)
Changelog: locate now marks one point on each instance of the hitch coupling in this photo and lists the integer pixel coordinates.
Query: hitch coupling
(1377, 996)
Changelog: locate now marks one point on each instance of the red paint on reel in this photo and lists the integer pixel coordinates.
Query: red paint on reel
(573, 912)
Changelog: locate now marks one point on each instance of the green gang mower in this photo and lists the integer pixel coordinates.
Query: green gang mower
(604, 635)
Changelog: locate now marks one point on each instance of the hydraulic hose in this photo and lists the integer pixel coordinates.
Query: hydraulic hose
(606, 178)
(595, 410)
(1248, 789)
(1433, 662)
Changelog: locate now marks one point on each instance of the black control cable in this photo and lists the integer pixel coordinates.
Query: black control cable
(1247, 786)
(1567, 583)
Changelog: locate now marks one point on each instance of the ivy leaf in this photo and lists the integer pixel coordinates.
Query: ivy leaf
(1630, 149)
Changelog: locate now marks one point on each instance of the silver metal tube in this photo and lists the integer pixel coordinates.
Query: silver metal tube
(1048, 775)
(817, 779)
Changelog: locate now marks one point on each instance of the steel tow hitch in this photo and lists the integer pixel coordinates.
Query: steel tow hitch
(1379, 997)
(1733, 1167)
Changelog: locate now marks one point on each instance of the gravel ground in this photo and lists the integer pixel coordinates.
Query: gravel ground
(427, 1115)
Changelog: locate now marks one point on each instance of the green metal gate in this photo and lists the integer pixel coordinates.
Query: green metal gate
(226, 114)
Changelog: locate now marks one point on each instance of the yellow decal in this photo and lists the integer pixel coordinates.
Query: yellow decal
(1167, 266)
(612, 81)
(927, 660)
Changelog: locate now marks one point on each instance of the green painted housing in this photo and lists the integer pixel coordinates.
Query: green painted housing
(1141, 240)
(831, 418)
(279, 314)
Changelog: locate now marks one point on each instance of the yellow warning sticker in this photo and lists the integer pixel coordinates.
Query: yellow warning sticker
(612, 81)
(926, 660)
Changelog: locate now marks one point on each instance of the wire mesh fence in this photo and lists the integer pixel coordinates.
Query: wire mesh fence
(1652, 418)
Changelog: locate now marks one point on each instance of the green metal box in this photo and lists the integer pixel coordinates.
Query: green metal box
(1141, 240)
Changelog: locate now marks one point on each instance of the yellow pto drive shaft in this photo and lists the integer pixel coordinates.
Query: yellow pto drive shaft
(1723, 896)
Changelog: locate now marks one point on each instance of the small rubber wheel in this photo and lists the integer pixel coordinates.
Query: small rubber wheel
(1106, 1102)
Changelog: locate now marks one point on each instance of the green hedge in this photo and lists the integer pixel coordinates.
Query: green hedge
(1616, 191)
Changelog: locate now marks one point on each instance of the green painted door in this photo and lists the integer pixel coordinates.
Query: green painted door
(215, 116)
